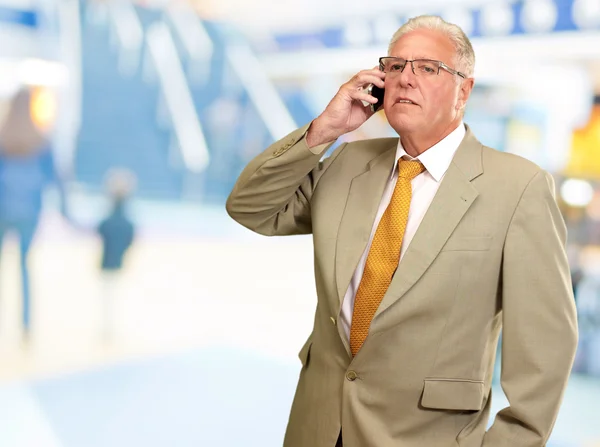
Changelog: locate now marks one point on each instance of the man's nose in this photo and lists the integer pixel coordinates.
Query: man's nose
(407, 78)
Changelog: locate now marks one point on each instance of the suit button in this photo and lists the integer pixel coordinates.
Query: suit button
(351, 376)
(333, 321)
(282, 149)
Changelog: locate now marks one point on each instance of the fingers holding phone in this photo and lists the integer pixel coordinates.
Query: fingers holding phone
(347, 111)
(369, 84)
(377, 93)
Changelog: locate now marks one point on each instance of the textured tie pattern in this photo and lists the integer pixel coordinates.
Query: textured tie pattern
(384, 254)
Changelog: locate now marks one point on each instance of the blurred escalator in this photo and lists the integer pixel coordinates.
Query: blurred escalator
(236, 108)
(119, 118)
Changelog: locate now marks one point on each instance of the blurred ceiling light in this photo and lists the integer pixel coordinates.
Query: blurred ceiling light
(43, 107)
(385, 27)
(461, 17)
(586, 13)
(577, 193)
(539, 15)
(41, 72)
(497, 19)
(358, 33)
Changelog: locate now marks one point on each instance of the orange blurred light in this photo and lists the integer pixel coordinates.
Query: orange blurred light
(43, 107)
(584, 160)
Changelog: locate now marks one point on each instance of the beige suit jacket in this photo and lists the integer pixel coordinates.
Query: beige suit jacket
(489, 254)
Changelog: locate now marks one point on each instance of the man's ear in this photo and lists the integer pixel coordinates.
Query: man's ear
(466, 87)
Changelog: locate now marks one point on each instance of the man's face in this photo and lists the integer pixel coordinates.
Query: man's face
(436, 100)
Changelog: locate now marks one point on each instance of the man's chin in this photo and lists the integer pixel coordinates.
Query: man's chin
(404, 124)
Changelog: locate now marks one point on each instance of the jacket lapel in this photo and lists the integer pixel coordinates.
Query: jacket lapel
(361, 208)
(453, 199)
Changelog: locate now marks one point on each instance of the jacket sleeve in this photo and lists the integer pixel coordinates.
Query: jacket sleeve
(272, 194)
(539, 337)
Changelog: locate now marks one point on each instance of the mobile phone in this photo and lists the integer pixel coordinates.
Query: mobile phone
(378, 93)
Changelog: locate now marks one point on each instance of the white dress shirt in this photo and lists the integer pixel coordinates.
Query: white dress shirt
(436, 160)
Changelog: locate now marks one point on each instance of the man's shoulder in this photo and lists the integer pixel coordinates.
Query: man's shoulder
(371, 147)
(505, 163)
(362, 152)
(506, 176)
(374, 144)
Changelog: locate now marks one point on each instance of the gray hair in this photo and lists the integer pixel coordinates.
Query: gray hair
(465, 56)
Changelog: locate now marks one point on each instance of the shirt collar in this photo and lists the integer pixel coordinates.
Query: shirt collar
(438, 157)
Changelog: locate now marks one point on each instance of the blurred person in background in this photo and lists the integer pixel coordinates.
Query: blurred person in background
(26, 171)
(588, 309)
(117, 233)
(426, 246)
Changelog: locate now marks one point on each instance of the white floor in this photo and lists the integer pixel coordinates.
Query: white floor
(177, 292)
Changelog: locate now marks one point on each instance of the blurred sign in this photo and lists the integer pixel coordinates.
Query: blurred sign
(526, 132)
(493, 19)
(19, 17)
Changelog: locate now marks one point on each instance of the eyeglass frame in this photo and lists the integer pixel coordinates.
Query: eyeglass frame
(406, 61)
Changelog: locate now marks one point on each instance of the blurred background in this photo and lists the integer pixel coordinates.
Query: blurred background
(133, 311)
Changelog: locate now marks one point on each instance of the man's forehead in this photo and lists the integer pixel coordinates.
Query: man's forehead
(423, 44)
(416, 56)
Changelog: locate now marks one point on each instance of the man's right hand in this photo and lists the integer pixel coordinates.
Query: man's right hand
(345, 112)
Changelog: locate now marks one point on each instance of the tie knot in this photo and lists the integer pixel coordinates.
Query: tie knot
(409, 169)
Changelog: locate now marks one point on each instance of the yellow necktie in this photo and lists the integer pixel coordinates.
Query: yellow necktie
(384, 254)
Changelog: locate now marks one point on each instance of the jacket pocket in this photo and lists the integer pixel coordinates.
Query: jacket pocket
(304, 354)
(453, 394)
(468, 243)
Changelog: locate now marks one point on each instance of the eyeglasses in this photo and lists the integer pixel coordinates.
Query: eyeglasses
(420, 67)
